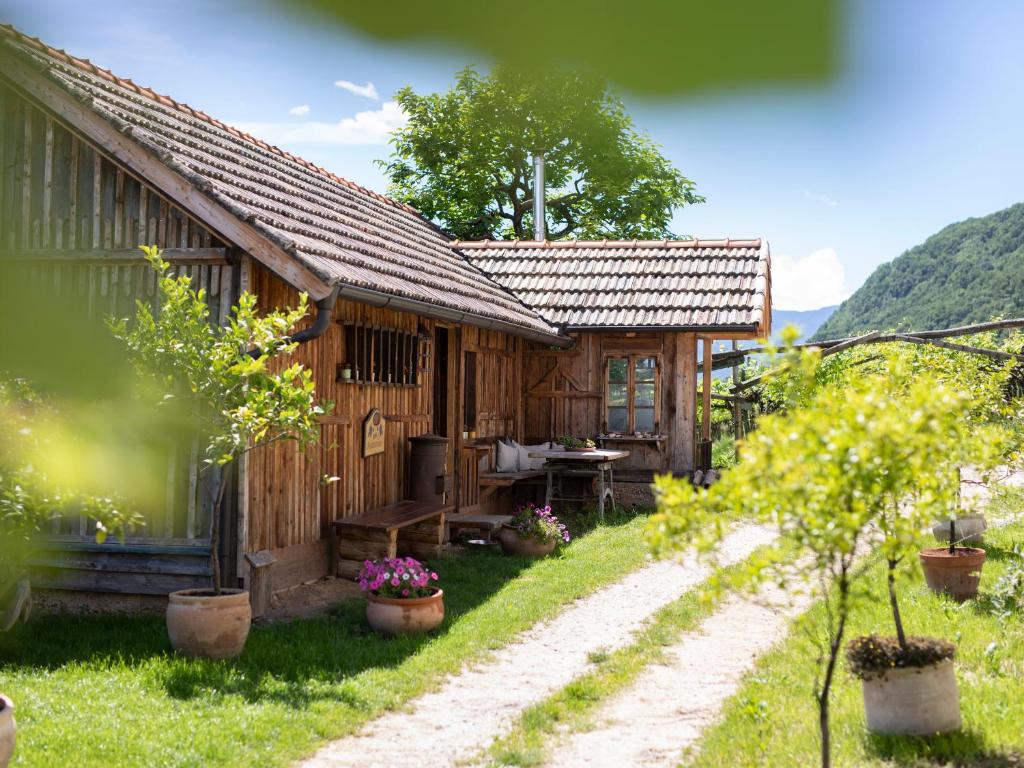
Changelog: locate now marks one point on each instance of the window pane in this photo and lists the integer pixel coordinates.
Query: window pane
(645, 367)
(644, 394)
(618, 369)
(618, 394)
(618, 419)
(644, 419)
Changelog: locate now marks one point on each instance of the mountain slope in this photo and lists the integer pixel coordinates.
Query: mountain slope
(806, 321)
(969, 272)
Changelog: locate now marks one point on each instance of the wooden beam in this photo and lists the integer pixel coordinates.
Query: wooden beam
(705, 416)
(143, 162)
(995, 354)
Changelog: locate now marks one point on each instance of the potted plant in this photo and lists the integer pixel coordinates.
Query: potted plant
(7, 731)
(577, 444)
(237, 401)
(400, 598)
(908, 684)
(953, 570)
(532, 532)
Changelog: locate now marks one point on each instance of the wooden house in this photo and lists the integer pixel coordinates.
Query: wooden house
(532, 340)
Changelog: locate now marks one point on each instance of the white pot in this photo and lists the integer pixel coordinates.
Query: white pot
(913, 701)
(968, 529)
(6, 730)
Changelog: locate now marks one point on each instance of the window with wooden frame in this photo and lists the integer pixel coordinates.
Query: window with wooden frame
(381, 355)
(632, 394)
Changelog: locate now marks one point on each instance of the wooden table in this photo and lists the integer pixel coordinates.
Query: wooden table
(593, 463)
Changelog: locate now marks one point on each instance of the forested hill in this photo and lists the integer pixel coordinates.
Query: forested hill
(969, 272)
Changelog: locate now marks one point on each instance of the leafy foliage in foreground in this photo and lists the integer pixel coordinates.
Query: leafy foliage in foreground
(771, 721)
(464, 159)
(841, 471)
(969, 272)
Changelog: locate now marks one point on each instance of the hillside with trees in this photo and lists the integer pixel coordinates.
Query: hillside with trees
(969, 272)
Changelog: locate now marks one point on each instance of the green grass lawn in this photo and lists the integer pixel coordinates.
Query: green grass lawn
(109, 691)
(773, 719)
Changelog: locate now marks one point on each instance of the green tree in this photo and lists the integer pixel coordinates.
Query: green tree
(464, 159)
(850, 468)
(226, 378)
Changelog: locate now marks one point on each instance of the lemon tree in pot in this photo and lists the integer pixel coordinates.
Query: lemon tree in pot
(238, 397)
(532, 532)
(401, 596)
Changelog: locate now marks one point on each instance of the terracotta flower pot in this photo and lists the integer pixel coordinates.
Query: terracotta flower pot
(6, 730)
(957, 575)
(514, 544)
(409, 616)
(968, 529)
(913, 701)
(205, 625)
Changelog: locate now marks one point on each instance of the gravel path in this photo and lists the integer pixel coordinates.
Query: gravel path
(454, 723)
(669, 705)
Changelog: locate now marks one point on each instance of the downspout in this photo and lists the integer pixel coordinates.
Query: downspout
(322, 321)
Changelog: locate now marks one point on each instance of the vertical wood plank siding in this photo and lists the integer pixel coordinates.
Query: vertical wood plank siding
(288, 505)
(564, 393)
(64, 208)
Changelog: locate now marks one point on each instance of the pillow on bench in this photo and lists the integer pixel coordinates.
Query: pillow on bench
(506, 456)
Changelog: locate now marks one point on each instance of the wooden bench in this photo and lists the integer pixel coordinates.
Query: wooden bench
(406, 529)
(505, 479)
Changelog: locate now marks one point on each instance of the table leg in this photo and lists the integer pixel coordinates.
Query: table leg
(548, 489)
(600, 495)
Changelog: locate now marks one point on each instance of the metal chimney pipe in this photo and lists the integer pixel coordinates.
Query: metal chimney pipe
(539, 228)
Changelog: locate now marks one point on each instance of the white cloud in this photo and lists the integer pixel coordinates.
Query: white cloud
(368, 91)
(365, 128)
(300, 111)
(819, 197)
(814, 281)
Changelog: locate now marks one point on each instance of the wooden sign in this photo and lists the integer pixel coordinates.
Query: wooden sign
(373, 433)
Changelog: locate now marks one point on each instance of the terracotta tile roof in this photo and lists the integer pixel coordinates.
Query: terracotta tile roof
(693, 284)
(340, 231)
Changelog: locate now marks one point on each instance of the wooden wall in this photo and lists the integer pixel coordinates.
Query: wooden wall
(71, 222)
(288, 505)
(564, 393)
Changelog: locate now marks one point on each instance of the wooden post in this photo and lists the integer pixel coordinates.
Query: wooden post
(708, 345)
(683, 403)
(737, 422)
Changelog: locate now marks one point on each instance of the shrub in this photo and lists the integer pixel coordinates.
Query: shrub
(398, 578)
(539, 524)
(871, 656)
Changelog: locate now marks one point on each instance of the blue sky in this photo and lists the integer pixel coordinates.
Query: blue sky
(922, 128)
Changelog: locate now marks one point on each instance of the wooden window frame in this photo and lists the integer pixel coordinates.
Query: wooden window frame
(631, 359)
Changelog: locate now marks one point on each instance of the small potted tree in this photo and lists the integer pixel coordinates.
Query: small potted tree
(532, 532)
(953, 570)
(401, 598)
(825, 473)
(238, 400)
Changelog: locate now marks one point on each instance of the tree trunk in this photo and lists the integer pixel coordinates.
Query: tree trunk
(830, 670)
(897, 620)
(215, 530)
